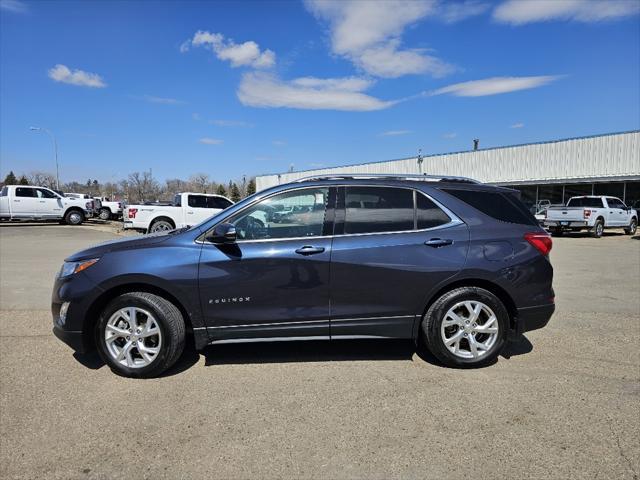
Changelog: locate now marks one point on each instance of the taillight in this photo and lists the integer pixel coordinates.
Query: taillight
(132, 212)
(541, 241)
(587, 213)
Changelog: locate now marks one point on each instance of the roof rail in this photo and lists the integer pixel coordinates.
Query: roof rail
(387, 176)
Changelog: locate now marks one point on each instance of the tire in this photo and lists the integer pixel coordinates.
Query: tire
(632, 228)
(557, 232)
(161, 226)
(144, 354)
(105, 214)
(74, 217)
(434, 333)
(598, 229)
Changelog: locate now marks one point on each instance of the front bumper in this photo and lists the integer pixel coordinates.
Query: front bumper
(533, 318)
(75, 339)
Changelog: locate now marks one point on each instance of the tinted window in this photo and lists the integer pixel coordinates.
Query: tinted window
(615, 203)
(378, 209)
(299, 213)
(501, 206)
(429, 215)
(4, 192)
(585, 202)
(218, 202)
(44, 193)
(198, 201)
(177, 200)
(25, 192)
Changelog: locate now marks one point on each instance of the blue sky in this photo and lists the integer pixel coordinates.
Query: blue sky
(233, 88)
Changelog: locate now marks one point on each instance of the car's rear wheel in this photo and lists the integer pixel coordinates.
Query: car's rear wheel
(74, 217)
(466, 327)
(140, 334)
(105, 214)
(161, 226)
(632, 228)
(598, 229)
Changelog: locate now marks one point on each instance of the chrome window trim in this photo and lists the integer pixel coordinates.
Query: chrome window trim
(455, 221)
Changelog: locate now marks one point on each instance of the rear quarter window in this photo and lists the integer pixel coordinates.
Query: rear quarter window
(498, 205)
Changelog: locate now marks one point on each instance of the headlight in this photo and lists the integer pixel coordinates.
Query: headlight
(69, 268)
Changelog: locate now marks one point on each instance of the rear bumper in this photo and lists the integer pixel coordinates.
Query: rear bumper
(565, 223)
(533, 318)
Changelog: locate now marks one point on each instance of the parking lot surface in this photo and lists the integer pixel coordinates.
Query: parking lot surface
(563, 402)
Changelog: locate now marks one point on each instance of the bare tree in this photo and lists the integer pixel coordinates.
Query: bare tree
(143, 187)
(200, 182)
(42, 179)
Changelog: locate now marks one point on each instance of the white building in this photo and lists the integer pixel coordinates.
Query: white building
(606, 164)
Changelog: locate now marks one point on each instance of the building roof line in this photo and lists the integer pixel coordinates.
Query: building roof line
(457, 152)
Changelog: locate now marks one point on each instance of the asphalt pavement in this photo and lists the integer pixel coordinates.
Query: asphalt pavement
(563, 402)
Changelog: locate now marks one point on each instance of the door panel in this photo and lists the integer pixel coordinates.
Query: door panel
(25, 202)
(274, 280)
(379, 282)
(265, 289)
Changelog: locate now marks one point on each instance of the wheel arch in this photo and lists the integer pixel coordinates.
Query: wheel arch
(485, 284)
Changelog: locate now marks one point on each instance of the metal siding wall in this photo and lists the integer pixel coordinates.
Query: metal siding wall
(594, 157)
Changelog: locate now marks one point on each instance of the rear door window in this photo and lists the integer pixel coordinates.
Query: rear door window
(498, 205)
(428, 214)
(197, 201)
(378, 209)
(25, 192)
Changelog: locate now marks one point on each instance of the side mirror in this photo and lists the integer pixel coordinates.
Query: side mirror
(223, 233)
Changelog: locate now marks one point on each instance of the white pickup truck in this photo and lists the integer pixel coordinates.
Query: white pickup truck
(25, 202)
(187, 209)
(108, 209)
(594, 213)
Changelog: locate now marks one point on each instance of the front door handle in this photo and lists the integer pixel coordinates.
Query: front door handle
(309, 250)
(438, 242)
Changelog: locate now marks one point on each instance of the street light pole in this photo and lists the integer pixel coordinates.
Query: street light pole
(55, 150)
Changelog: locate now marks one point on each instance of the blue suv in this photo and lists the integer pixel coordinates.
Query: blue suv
(457, 265)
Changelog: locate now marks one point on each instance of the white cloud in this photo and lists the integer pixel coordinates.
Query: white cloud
(450, 135)
(279, 143)
(494, 86)
(518, 12)
(162, 100)
(517, 125)
(368, 34)
(14, 6)
(452, 12)
(238, 54)
(230, 123)
(196, 116)
(62, 73)
(394, 133)
(267, 91)
(210, 141)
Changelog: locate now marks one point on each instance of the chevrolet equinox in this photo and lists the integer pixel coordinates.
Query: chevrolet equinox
(455, 264)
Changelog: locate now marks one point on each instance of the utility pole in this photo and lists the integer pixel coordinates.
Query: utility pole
(55, 151)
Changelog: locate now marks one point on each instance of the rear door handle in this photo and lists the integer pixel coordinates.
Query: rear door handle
(438, 242)
(309, 250)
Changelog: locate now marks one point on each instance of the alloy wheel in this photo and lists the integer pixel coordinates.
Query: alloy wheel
(469, 329)
(133, 337)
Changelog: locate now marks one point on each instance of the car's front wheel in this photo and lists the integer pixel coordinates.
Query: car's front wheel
(632, 228)
(466, 327)
(140, 334)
